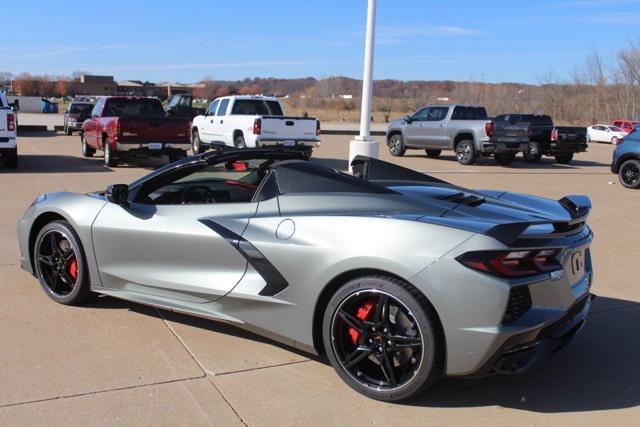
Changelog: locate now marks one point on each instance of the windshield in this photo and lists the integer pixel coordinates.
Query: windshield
(143, 107)
(81, 109)
(615, 129)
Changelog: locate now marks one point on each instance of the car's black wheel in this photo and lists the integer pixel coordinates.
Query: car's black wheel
(466, 152)
(110, 158)
(238, 142)
(504, 159)
(396, 145)
(564, 159)
(86, 150)
(533, 152)
(60, 263)
(629, 174)
(382, 337)
(10, 158)
(433, 153)
(196, 143)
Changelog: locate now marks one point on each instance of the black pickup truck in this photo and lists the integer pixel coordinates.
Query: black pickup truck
(181, 105)
(561, 142)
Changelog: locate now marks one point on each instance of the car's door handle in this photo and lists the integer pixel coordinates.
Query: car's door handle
(442, 125)
(421, 125)
(211, 121)
(221, 121)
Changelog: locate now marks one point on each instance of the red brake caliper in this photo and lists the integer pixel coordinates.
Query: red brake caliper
(363, 314)
(73, 268)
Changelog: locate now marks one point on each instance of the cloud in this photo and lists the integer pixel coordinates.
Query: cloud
(401, 35)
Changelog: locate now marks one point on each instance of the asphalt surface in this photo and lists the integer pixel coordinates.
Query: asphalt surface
(117, 363)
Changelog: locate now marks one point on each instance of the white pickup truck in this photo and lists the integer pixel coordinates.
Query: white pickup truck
(252, 121)
(8, 131)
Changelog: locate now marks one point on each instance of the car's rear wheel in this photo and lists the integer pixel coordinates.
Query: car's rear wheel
(614, 140)
(110, 158)
(505, 159)
(60, 264)
(239, 142)
(67, 130)
(396, 145)
(564, 159)
(629, 174)
(10, 158)
(381, 337)
(86, 150)
(432, 154)
(533, 153)
(196, 143)
(466, 152)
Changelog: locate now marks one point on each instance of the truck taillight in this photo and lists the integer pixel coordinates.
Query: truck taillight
(257, 127)
(11, 122)
(318, 127)
(554, 134)
(488, 129)
(530, 132)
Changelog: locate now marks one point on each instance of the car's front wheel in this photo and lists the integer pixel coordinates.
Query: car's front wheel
(396, 145)
(381, 336)
(60, 264)
(629, 174)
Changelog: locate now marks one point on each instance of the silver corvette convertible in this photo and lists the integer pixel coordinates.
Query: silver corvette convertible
(397, 277)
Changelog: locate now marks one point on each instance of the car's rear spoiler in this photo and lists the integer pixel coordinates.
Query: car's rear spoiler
(578, 206)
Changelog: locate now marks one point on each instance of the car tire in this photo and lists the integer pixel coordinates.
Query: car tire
(588, 138)
(504, 159)
(533, 152)
(433, 154)
(614, 140)
(196, 143)
(67, 130)
(396, 145)
(564, 159)
(86, 150)
(239, 142)
(466, 152)
(629, 174)
(110, 158)
(60, 264)
(10, 158)
(384, 370)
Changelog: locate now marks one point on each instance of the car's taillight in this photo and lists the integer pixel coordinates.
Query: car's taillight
(512, 264)
(554, 134)
(11, 122)
(488, 129)
(257, 127)
(318, 127)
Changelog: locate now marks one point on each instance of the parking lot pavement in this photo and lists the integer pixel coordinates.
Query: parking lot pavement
(114, 362)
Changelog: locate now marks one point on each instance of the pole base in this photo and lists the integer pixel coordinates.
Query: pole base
(363, 146)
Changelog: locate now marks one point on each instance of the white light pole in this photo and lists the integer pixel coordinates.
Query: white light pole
(364, 144)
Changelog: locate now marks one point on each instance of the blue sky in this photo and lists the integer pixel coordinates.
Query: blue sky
(495, 41)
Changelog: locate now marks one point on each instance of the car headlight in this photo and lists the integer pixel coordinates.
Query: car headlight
(41, 198)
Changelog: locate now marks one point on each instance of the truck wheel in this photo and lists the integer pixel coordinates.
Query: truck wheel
(432, 154)
(564, 159)
(239, 142)
(532, 154)
(505, 159)
(629, 174)
(86, 150)
(110, 159)
(396, 145)
(196, 143)
(466, 152)
(11, 158)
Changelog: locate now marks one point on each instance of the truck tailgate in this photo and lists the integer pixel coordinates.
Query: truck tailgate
(275, 128)
(174, 130)
(510, 132)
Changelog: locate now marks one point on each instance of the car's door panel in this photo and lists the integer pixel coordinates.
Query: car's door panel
(207, 131)
(169, 251)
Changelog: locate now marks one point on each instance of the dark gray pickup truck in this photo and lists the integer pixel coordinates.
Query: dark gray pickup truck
(464, 129)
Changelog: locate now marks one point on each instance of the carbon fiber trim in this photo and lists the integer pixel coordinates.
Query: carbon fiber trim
(276, 283)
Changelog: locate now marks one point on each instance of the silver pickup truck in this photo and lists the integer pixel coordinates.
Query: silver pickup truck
(464, 129)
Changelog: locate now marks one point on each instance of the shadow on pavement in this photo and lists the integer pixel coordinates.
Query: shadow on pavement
(51, 163)
(599, 370)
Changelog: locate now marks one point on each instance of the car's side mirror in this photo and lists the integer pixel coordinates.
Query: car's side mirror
(408, 119)
(118, 194)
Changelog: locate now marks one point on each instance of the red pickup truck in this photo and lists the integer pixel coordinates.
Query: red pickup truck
(129, 127)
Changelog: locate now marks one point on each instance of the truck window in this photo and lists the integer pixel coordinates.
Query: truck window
(98, 108)
(538, 120)
(138, 107)
(80, 108)
(222, 109)
(275, 108)
(437, 113)
(469, 113)
(249, 107)
(212, 108)
(421, 114)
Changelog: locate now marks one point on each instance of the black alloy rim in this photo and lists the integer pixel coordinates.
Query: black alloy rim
(380, 347)
(57, 263)
(630, 174)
